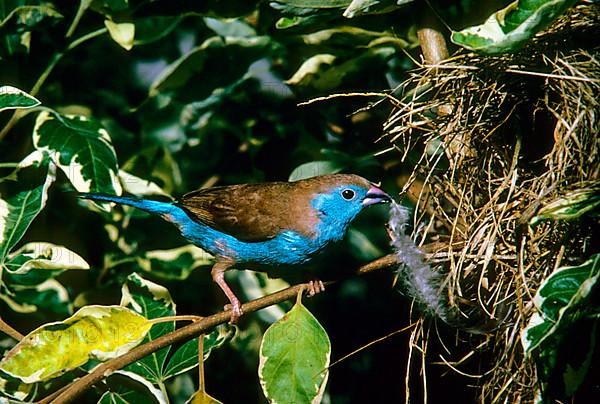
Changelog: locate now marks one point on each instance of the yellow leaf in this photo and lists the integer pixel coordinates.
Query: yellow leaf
(122, 33)
(202, 397)
(100, 332)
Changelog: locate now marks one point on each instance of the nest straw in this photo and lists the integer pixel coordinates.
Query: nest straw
(489, 140)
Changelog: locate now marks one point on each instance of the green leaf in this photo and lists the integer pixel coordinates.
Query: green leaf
(18, 21)
(28, 15)
(294, 356)
(82, 149)
(229, 28)
(316, 3)
(37, 262)
(560, 295)
(22, 197)
(155, 164)
(318, 19)
(15, 389)
(344, 36)
(27, 281)
(100, 332)
(362, 7)
(176, 263)
(290, 22)
(325, 72)
(240, 53)
(49, 295)
(310, 68)
(13, 98)
(186, 357)
(152, 301)
(151, 29)
(570, 206)
(507, 30)
(139, 186)
(123, 397)
(353, 8)
(567, 317)
(122, 33)
(315, 168)
(127, 387)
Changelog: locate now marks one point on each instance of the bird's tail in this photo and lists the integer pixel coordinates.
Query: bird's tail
(156, 207)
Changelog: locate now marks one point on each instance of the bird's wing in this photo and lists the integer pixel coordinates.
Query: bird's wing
(249, 212)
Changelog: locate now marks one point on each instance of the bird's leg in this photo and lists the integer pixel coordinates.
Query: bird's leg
(314, 287)
(217, 273)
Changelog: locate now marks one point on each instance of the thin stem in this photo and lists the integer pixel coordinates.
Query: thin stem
(83, 5)
(378, 340)
(191, 331)
(11, 332)
(42, 79)
(201, 363)
(174, 318)
(86, 37)
(163, 390)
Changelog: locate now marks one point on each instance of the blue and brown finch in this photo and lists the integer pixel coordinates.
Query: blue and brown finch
(270, 224)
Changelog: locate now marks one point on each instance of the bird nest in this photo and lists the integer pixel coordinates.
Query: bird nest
(489, 142)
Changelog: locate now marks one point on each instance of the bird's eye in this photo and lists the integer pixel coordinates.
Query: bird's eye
(348, 194)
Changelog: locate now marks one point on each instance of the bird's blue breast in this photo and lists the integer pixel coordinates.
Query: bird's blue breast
(287, 248)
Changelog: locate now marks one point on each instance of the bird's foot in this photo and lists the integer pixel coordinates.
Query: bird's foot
(236, 310)
(314, 287)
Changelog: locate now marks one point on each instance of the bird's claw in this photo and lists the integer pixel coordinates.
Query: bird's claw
(314, 287)
(236, 311)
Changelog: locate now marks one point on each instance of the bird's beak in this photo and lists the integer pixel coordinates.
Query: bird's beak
(375, 195)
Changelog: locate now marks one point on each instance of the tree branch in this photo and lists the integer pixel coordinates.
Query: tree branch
(188, 332)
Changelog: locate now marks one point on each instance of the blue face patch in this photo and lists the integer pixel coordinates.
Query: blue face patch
(336, 209)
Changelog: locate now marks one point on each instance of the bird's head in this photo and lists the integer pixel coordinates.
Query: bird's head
(341, 197)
